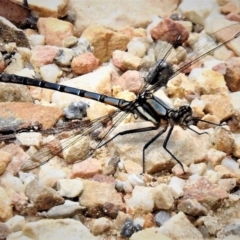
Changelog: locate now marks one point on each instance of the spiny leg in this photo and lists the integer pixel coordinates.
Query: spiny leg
(165, 146)
(196, 131)
(149, 143)
(146, 129)
(137, 130)
(215, 124)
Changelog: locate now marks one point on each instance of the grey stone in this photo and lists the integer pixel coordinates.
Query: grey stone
(161, 217)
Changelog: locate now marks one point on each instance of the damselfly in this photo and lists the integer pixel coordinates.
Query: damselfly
(146, 105)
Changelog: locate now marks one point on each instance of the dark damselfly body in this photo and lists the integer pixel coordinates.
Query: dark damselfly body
(146, 106)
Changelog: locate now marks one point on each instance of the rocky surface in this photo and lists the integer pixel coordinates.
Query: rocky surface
(109, 49)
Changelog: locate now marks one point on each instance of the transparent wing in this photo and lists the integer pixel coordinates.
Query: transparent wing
(54, 148)
(158, 52)
(159, 74)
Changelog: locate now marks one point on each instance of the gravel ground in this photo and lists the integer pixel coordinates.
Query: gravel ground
(108, 47)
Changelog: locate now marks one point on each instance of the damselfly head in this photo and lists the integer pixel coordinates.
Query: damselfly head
(180, 116)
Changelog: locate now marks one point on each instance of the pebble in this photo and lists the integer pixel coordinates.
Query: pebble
(127, 187)
(42, 55)
(225, 172)
(120, 220)
(15, 93)
(70, 41)
(5, 159)
(139, 221)
(177, 185)
(230, 163)
(132, 167)
(220, 102)
(112, 41)
(76, 110)
(152, 233)
(137, 47)
(125, 60)
(50, 72)
(223, 140)
(30, 138)
(86, 169)
(232, 229)
(103, 178)
(198, 168)
(161, 217)
(51, 27)
(100, 226)
(84, 63)
(75, 149)
(230, 7)
(119, 185)
(163, 198)
(57, 229)
(208, 194)
(212, 224)
(18, 157)
(8, 181)
(6, 211)
(179, 222)
(66, 210)
(228, 183)
(69, 188)
(142, 199)
(148, 220)
(104, 200)
(135, 180)
(196, 14)
(4, 231)
(54, 9)
(14, 35)
(168, 25)
(208, 81)
(64, 57)
(16, 223)
(233, 17)
(36, 40)
(236, 145)
(82, 45)
(51, 172)
(17, 236)
(177, 170)
(130, 80)
(41, 197)
(129, 228)
(128, 96)
(234, 96)
(133, 32)
(212, 176)
(215, 157)
(192, 208)
(211, 121)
